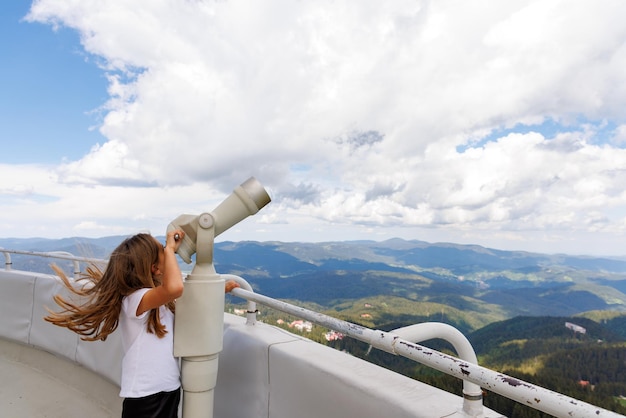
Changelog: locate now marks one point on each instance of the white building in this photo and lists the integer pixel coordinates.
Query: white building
(575, 328)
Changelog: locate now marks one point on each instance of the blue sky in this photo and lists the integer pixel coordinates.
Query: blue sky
(498, 124)
(49, 89)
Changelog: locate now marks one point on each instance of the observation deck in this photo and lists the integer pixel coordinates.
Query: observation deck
(264, 371)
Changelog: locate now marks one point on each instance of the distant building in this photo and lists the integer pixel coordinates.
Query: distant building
(333, 336)
(575, 328)
(301, 325)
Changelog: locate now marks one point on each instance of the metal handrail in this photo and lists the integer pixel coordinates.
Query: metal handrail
(61, 255)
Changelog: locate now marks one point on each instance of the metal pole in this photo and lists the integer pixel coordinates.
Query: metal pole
(61, 255)
(472, 393)
(70, 255)
(199, 323)
(199, 320)
(7, 260)
(252, 310)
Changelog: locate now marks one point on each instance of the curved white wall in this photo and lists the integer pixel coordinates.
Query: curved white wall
(42, 352)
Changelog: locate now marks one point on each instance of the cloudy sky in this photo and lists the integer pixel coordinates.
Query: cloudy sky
(495, 123)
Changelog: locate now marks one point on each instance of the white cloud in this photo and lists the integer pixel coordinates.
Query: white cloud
(353, 114)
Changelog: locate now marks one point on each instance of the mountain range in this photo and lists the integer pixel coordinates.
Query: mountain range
(372, 282)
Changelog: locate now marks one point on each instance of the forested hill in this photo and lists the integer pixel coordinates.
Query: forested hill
(575, 356)
(525, 328)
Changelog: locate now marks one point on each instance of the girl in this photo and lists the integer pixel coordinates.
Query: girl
(136, 291)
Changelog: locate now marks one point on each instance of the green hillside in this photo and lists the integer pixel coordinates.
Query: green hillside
(590, 366)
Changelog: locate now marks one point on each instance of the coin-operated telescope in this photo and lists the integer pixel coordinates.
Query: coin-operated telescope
(199, 320)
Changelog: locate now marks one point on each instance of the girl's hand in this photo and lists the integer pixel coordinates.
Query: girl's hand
(174, 239)
(230, 285)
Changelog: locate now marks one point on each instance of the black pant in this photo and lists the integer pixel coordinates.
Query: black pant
(159, 405)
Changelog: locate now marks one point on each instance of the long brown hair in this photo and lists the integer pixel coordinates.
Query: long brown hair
(129, 268)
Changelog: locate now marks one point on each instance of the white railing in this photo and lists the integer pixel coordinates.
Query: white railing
(60, 255)
(465, 368)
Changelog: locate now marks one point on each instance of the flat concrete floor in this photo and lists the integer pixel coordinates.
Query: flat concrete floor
(28, 387)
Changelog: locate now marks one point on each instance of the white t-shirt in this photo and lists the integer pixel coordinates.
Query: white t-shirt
(149, 365)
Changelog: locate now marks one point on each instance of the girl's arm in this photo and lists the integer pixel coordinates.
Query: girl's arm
(171, 286)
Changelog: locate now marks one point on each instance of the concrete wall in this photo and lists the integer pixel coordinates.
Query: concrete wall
(267, 372)
(46, 353)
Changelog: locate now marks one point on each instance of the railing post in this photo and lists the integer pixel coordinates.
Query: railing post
(74, 261)
(252, 310)
(472, 393)
(7, 260)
